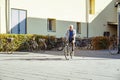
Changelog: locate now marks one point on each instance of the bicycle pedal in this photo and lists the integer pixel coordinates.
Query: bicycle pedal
(67, 54)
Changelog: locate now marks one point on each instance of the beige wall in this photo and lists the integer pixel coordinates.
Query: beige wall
(103, 14)
(62, 27)
(67, 12)
(39, 26)
(2, 17)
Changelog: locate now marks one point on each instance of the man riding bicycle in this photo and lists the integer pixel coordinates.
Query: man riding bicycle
(70, 36)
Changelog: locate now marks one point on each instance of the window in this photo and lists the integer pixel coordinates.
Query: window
(18, 21)
(52, 25)
(92, 7)
(106, 33)
(78, 27)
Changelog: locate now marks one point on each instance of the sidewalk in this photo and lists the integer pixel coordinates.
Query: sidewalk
(51, 65)
(30, 56)
(58, 55)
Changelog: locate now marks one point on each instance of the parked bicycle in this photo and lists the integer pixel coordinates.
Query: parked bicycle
(113, 48)
(33, 44)
(42, 46)
(25, 44)
(60, 43)
(84, 43)
(9, 45)
(51, 43)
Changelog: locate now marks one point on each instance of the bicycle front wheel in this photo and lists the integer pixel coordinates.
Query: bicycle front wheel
(113, 50)
(66, 52)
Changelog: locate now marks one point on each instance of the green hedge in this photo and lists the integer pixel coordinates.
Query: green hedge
(19, 39)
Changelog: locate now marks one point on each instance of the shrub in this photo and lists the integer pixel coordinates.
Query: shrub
(19, 39)
(100, 42)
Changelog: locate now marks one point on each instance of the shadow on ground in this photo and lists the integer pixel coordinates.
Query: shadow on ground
(88, 53)
(59, 55)
(43, 59)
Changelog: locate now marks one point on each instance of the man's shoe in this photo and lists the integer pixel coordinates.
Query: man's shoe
(72, 54)
(118, 52)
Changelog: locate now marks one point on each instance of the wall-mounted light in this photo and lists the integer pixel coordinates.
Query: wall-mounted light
(116, 3)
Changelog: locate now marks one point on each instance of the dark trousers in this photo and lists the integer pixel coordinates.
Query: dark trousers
(73, 44)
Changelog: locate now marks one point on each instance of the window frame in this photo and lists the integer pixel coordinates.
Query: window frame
(19, 25)
(51, 25)
(78, 27)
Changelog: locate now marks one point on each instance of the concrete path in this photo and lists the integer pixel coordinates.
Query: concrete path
(51, 65)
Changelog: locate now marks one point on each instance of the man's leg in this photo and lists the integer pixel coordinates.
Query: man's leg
(72, 53)
(73, 46)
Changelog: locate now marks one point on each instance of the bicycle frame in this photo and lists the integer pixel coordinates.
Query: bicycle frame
(68, 50)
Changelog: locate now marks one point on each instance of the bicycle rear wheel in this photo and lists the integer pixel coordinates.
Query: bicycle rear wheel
(71, 51)
(113, 50)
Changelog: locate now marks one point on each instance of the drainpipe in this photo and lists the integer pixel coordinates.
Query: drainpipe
(87, 18)
(118, 7)
(7, 11)
(0, 19)
(117, 4)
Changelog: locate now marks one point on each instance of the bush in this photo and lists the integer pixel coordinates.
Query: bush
(19, 39)
(100, 43)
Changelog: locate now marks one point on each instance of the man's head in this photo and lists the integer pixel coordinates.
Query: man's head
(71, 27)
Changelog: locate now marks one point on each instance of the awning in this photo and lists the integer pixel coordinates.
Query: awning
(112, 23)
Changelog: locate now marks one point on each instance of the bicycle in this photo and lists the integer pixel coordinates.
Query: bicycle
(84, 43)
(42, 46)
(113, 48)
(9, 45)
(60, 42)
(68, 50)
(33, 45)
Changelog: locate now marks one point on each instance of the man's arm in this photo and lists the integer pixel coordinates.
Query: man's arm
(74, 33)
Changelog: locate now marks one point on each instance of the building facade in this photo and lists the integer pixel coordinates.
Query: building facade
(90, 17)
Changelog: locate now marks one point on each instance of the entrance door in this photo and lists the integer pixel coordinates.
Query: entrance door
(18, 21)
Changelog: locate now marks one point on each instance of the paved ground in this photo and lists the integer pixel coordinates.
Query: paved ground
(51, 65)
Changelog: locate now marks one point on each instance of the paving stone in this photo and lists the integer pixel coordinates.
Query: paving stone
(86, 65)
